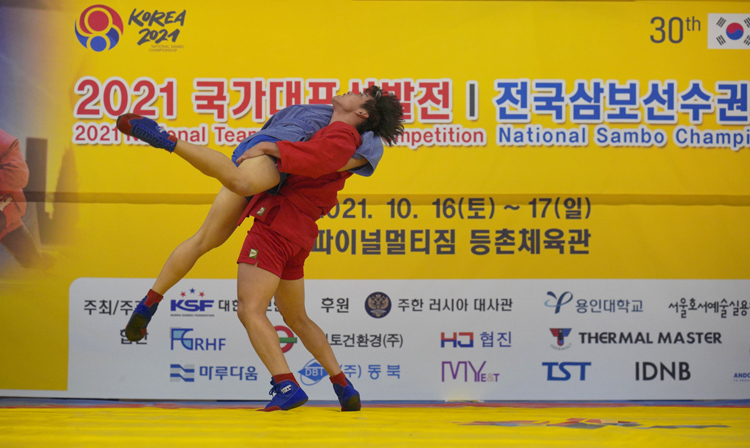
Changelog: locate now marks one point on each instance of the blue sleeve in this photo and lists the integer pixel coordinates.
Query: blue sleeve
(370, 149)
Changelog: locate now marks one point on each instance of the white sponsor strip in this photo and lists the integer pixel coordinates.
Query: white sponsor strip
(426, 340)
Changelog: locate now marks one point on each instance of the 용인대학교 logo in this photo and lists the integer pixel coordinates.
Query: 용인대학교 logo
(378, 305)
(99, 28)
(557, 302)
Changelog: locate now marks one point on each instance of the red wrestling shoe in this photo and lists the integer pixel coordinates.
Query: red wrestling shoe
(147, 130)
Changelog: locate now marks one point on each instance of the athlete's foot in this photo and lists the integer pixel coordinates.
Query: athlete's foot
(348, 396)
(147, 130)
(288, 395)
(142, 314)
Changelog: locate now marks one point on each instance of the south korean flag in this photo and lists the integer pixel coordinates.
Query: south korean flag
(729, 31)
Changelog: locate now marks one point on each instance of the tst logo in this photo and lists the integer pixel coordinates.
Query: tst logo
(648, 371)
(178, 335)
(477, 376)
(192, 305)
(563, 368)
(457, 340)
(557, 302)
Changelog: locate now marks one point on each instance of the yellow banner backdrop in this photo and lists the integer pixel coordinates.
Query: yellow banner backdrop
(544, 140)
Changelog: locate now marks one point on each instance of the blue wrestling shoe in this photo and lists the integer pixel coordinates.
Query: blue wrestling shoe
(288, 396)
(348, 396)
(147, 130)
(142, 314)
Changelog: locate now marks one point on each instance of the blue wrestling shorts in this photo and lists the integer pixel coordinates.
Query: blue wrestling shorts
(249, 143)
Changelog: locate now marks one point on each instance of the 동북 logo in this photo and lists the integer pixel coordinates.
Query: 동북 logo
(99, 28)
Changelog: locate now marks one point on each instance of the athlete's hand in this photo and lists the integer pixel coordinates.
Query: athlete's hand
(262, 148)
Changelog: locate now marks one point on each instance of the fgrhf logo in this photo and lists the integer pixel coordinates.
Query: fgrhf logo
(477, 375)
(465, 339)
(99, 28)
(729, 31)
(378, 305)
(184, 373)
(563, 368)
(312, 373)
(561, 334)
(558, 302)
(178, 335)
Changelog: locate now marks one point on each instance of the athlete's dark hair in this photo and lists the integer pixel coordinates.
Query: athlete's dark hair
(386, 115)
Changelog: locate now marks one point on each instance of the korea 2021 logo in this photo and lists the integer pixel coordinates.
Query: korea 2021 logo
(99, 28)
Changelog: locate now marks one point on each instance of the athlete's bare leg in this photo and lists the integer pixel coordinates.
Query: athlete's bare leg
(255, 288)
(290, 299)
(216, 229)
(245, 180)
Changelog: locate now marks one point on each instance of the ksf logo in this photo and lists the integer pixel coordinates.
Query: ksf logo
(647, 371)
(192, 305)
(178, 335)
(462, 339)
(562, 367)
(477, 375)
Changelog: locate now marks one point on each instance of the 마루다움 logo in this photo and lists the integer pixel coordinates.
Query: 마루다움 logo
(99, 28)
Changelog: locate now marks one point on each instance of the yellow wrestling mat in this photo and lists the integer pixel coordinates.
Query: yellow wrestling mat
(62, 423)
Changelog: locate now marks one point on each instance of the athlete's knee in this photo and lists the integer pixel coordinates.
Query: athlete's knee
(204, 241)
(297, 322)
(247, 311)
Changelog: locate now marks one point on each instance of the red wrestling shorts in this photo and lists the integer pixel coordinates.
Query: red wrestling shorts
(272, 252)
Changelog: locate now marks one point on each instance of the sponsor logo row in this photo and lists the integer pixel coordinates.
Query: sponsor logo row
(378, 305)
(183, 339)
(564, 338)
(450, 371)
